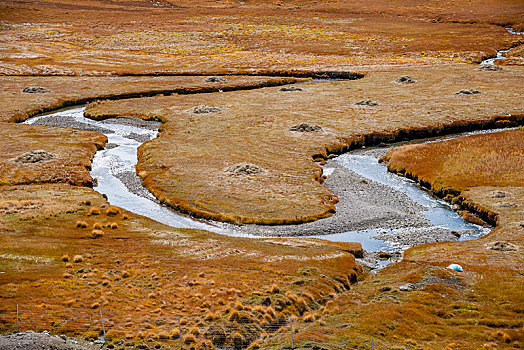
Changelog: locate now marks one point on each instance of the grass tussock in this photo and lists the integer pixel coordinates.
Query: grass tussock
(96, 234)
(94, 211)
(81, 224)
(97, 226)
(112, 211)
(189, 339)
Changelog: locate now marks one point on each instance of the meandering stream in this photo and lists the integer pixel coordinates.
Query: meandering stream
(114, 171)
(500, 53)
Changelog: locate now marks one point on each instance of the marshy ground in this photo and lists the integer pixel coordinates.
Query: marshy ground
(239, 149)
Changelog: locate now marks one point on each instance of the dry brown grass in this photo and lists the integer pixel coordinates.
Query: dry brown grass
(74, 150)
(81, 224)
(238, 37)
(138, 37)
(78, 259)
(115, 275)
(96, 234)
(112, 211)
(18, 106)
(191, 177)
(478, 308)
(495, 159)
(94, 211)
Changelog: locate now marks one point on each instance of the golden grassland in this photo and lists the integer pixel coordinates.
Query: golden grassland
(480, 308)
(144, 274)
(72, 152)
(210, 278)
(16, 105)
(464, 162)
(186, 166)
(109, 37)
(65, 258)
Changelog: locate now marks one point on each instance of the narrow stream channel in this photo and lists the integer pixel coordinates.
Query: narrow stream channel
(113, 168)
(500, 53)
(115, 165)
(114, 171)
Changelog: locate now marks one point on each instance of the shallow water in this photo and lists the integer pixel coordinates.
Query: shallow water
(438, 212)
(111, 163)
(500, 53)
(108, 164)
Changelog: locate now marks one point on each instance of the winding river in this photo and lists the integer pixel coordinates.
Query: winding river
(114, 171)
(500, 53)
(113, 168)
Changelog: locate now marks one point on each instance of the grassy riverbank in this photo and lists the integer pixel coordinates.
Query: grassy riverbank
(187, 165)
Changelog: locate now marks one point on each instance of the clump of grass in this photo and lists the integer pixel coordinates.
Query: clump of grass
(274, 289)
(114, 225)
(94, 211)
(68, 265)
(255, 345)
(239, 306)
(96, 234)
(506, 338)
(81, 224)
(270, 314)
(189, 339)
(97, 225)
(174, 334)
(112, 211)
(309, 317)
(78, 259)
(65, 258)
(163, 335)
(211, 317)
(234, 316)
(472, 218)
(292, 296)
(238, 340)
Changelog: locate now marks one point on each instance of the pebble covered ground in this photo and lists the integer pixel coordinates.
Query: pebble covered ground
(30, 340)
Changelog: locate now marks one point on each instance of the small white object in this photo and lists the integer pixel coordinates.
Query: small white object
(455, 267)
